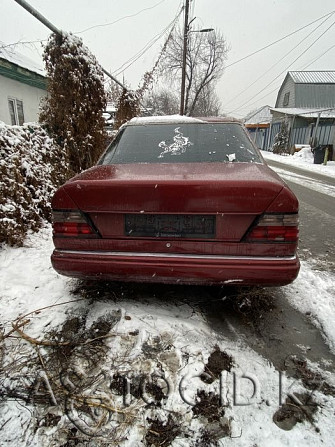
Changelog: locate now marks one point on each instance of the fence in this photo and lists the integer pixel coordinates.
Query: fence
(301, 135)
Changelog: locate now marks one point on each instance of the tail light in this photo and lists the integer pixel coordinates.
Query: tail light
(275, 228)
(71, 223)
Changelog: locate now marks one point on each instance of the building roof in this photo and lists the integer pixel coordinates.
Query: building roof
(259, 116)
(20, 68)
(306, 113)
(22, 61)
(313, 77)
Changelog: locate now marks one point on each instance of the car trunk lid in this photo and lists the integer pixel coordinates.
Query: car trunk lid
(208, 201)
(175, 188)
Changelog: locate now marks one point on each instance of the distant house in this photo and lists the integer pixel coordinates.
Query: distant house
(22, 86)
(258, 124)
(307, 100)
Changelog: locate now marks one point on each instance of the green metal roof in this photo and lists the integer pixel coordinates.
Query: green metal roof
(20, 74)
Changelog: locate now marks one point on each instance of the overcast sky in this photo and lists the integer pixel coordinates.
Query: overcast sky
(247, 25)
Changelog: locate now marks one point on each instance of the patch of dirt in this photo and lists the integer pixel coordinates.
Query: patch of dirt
(136, 386)
(312, 380)
(209, 406)
(74, 333)
(206, 439)
(95, 289)
(68, 337)
(162, 434)
(50, 420)
(134, 333)
(211, 435)
(118, 384)
(155, 390)
(102, 327)
(74, 439)
(68, 359)
(152, 347)
(217, 362)
(151, 390)
(252, 302)
(300, 408)
(72, 328)
(217, 426)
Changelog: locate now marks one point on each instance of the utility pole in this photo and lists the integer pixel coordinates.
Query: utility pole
(183, 72)
(57, 31)
(183, 67)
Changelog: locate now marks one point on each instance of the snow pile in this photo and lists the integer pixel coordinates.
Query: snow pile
(305, 162)
(305, 153)
(31, 167)
(313, 292)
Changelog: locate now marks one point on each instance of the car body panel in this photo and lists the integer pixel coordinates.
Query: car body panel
(169, 188)
(232, 197)
(196, 269)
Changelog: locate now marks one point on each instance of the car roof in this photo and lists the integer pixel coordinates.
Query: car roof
(179, 119)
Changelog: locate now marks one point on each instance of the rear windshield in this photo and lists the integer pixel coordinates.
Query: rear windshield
(181, 143)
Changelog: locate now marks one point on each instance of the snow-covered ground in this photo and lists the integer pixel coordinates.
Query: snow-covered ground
(306, 181)
(320, 283)
(76, 390)
(303, 159)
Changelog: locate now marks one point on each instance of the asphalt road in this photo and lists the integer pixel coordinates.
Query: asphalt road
(283, 331)
(316, 194)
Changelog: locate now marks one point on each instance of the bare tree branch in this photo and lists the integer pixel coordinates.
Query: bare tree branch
(206, 54)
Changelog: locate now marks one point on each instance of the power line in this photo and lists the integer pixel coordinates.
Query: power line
(96, 26)
(140, 53)
(152, 7)
(87, 29)
(21, 43)
(279, 40)
(56, 30)
(265, 96)
(121, 19)
(274, 65)
(271, 82)
(319, 57)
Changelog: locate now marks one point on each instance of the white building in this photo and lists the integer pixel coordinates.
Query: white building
(22, 86)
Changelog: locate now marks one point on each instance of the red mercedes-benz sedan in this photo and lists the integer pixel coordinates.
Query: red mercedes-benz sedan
(178, 200)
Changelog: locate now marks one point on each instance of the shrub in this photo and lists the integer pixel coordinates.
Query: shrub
(127, 107)
(280, 145)
(72, 111)
(32, 166)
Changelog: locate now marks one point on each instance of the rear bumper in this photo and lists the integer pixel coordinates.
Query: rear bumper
(175, 268)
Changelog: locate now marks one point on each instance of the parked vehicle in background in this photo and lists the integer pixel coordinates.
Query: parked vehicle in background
(109, 116)
(178, 200)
